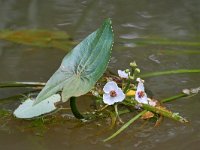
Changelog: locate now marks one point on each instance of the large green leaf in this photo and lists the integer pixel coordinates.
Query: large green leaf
(82, 67)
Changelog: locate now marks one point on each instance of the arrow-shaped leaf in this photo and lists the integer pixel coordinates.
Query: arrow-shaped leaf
(82, 67)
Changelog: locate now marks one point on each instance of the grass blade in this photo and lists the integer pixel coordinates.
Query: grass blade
(21, 84)
(163, 42)
(125, 125)
(169, 99)
(170, 72)
(179, 52)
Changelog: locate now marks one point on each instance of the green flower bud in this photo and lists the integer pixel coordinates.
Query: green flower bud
(127, 70)
(131, 77)
(133, 64)
(137, 70)
(95, 93)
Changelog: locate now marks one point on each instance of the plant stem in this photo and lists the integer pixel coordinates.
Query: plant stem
(129, 81)
(160, 110)
(173, 98)
(169, 72)
(166, 113)
(127, 86)
(21, 84)
(125, 125)
(74, 108)
(117, 113)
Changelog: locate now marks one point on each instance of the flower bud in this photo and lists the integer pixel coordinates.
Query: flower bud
(131, 77)
(127, 70)
(133, 64)
(137, 70)
(95, 93)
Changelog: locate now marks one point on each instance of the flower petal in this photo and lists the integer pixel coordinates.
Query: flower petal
(122, 74)
(142, 99)
(107, 99)
(139, 80)
(152, 102)
(120, 95)
(110, 86)
(140, 87)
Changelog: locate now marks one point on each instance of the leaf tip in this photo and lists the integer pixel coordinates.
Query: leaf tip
(108, 21)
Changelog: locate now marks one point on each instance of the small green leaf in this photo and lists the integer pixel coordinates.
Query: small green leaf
(82, 67)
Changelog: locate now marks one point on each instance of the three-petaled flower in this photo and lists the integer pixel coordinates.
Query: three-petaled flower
(140, 94)
(123, 74)
(112, 93)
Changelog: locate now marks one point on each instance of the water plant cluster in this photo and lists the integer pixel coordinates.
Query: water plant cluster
(82, 71)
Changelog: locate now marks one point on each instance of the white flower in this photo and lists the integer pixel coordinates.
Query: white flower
(112, 93)
(140, 94)
(123, 74)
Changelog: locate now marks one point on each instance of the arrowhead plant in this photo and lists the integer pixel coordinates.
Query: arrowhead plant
(82, 67)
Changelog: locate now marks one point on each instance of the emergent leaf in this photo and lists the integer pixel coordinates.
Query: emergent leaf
(82, 67)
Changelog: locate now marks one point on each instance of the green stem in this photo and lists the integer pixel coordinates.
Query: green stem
(21, 84)
(123, 111)
(169, 72)
(127, 86)
(125, 125)
(74, 108)
(165, 113)
(129, 81)
(117, 113)
(173, 98)
(159, 110)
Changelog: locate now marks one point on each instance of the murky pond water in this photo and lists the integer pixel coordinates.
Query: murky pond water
(133, 20)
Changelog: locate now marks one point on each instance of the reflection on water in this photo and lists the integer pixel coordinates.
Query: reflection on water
(175, 20)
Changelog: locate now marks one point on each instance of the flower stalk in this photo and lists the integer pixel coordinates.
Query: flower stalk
(159, 110)
(131, 77)
(74, 108)
(125, 125)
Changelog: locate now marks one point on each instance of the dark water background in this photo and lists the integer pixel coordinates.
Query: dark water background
(132, 19)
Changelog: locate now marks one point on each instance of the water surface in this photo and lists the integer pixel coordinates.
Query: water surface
(132, 20)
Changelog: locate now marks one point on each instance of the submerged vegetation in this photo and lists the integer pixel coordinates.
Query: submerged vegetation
(39, 38)
(81, 72)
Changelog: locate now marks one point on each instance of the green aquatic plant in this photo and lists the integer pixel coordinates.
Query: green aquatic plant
(82, 67)
(81, 72)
